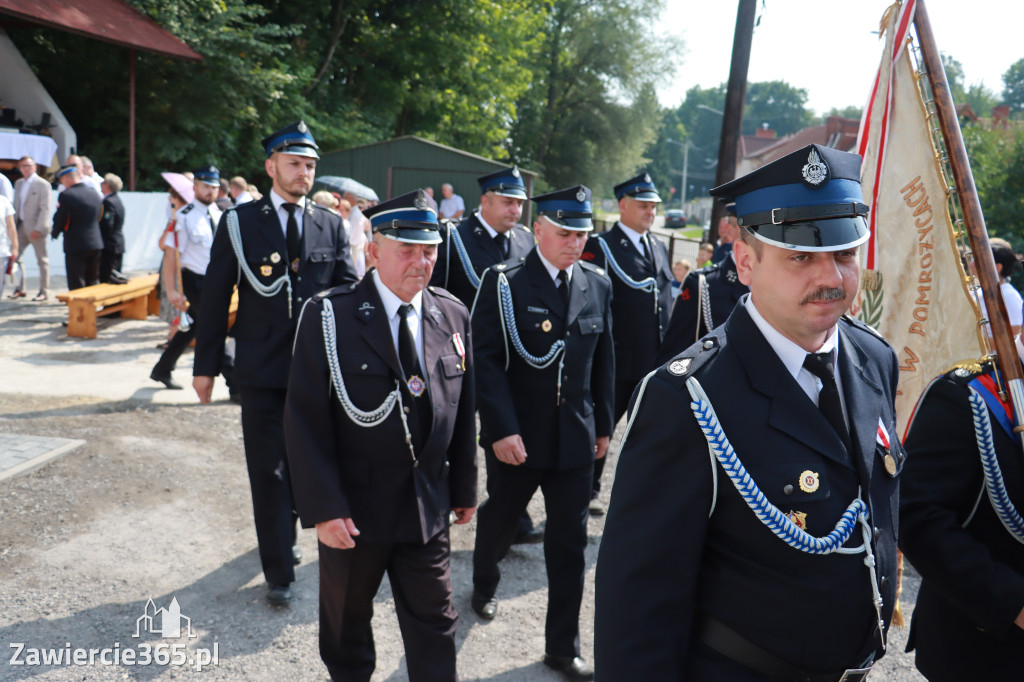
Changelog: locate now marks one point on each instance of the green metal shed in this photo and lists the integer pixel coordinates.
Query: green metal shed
(396, 166)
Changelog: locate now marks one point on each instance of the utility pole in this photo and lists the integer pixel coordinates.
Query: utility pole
(734, 98)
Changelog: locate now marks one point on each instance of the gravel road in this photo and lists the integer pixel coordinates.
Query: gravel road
(156, 506)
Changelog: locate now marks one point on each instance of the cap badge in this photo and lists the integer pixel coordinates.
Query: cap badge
(647, 177)
(581, 196)
(275, 257)
(416, 386)
(419, 203)
(809, 481)
(266, 270)
(680, 367)
(515, 172)
(302, 127)
(546, 325)
(815, 171)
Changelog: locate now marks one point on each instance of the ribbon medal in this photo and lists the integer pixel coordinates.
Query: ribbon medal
(882, 438)
(460, 348)
(416, 386)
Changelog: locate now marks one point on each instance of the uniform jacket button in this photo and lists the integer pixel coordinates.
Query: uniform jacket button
(788, 490)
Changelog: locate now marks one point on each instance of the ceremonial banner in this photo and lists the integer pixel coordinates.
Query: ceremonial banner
(913, 286)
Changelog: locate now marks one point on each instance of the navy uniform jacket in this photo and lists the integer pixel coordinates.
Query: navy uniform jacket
(78, 219)
(973, 576)
(263, 331)
(521, 399)
(111, 223)
(483, 252)
(664, 563)
(724, 290)
(640, 325)
(340, 469)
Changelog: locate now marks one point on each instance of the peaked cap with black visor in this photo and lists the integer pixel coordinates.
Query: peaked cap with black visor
(567, 208)
(809, 200)
(292, 139)
(507, 182)
(407, 218)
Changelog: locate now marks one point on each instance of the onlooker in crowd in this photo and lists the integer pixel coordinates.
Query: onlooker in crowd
(90, 176)
(429, 191)
(704, 254)
(8, 239)
(542, 422)
(680, 270)
(111, 224)
(358, 227)
(33, 208)
(1007, 263)
(281, 252)
(255, 193)
(239, 190)
(327, 200)
(180, 194)
(396, 520)
(728, 232)
(6, 188)
(223, 200)
(344, 207)
(183, 280)
(78, 219)
(452, 206)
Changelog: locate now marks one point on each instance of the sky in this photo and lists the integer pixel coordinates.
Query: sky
(832, 48)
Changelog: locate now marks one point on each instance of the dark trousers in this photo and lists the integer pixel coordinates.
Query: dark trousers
(272, 503)
(83, 268)
(192, 287)
(566, 495)
(421, 582)
(110, 261)
(623, 392)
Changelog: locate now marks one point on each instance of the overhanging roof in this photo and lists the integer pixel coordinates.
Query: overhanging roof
(111, 21)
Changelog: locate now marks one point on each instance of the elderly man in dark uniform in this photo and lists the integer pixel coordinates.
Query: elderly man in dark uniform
(752, 528)
(705, 301)
(78, 219)
(381, 440)
(492, 234)
(542, 330)
(111, 227)
(641, 274)
(280, 250)
(961, 528)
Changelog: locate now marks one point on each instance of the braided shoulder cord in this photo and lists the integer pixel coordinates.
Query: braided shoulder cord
(648, 284)
(705, 304)
(771, 516)
(508, 325)
(357, 416)
(464, 259)
(994, 483)
(265, 290)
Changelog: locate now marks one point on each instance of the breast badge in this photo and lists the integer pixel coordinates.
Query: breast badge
(546, 325)
(809, 481)
(266, 270)
(798, 518)
(275, 258)
(416, 386)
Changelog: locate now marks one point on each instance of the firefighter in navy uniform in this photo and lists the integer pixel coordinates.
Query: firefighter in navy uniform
(280, 251)
(401, 364)
(706, 298)
(491, 235)
(641, 275)
(542, 331)
(969, 614)
(770, 552)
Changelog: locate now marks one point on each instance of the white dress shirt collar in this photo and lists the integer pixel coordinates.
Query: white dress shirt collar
(552, 270)
(635, 237)
(490, 230)
(282, 215)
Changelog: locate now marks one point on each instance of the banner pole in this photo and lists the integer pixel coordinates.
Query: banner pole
(1002, 335)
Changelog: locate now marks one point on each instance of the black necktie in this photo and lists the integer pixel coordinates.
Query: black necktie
(502, 241)
(415, 380)
(563, 287)
(294, 242)
(645, 246)
(821, 366)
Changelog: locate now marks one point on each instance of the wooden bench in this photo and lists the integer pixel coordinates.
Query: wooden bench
(132, 300)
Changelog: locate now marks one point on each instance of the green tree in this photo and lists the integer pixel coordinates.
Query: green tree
(778, 105)
(851, 111)
(977, 96)
(590, 111)
(1013, 87)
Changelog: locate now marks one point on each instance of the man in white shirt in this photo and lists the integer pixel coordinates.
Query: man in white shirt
(452, 206)
(33, 208)
(239, 190)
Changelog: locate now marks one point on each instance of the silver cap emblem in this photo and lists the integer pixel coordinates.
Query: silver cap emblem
(302, 127)
(581, 196)
(815, 171)
(515, 172)
(647, 177)
(420, 203)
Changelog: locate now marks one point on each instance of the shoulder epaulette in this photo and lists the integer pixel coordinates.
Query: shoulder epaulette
(687, 363)
(340, 290)
(507, 266)
(860, 324)
(593, 268)
(444, 293)
(968, 369)
(187, 208)
(524, 228)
